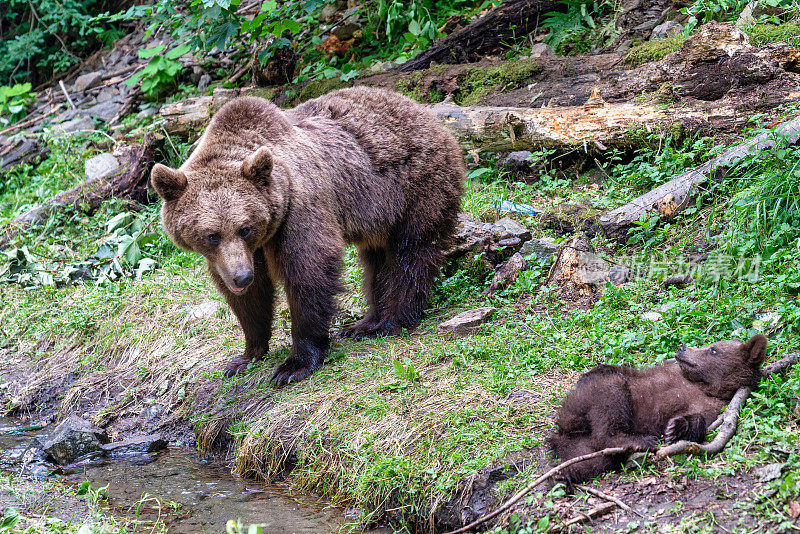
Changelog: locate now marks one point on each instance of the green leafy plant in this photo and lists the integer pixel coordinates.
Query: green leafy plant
(10, 519)
(14, 100)
(162, 70)
(580, 24)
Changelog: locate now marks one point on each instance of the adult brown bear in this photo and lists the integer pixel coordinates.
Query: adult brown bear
(273, 195)
(621, 406)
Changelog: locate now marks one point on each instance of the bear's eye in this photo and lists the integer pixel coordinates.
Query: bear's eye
(213, 239)
(713, 351)
(245, 232)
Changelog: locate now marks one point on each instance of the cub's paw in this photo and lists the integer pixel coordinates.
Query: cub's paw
(291, 371)
(677, 429)
(647, 443)
(237, 365)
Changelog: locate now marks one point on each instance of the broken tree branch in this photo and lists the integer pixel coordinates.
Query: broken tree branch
(674, 196)
(588, 515)
(730, 419)
(606, 496)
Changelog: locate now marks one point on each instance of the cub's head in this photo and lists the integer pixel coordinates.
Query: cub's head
(723, 367)
(223, 209)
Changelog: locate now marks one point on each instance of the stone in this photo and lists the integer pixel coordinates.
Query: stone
(542, 50)
(768, 472)
(507, 274)
(669, 28)
(466, 322)
(651, 316)
(201, 311)
(101, 166)
(73, 438)
(71, 126)
(347, 30)
(678, 280)
(469, 236)
(619, 274)
(87, 81)
(507, 227)
(580, 274)
(135, 446)
(204, 82)
(541, 249)
(382, 66)
(107, 94)
(147, 112)
(105, 111)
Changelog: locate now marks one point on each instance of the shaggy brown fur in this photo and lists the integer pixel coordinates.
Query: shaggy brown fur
(620, 406)
(272, 195)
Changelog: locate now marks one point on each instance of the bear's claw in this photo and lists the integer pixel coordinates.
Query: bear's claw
(290, 371)
(237, 365)
(369, 329)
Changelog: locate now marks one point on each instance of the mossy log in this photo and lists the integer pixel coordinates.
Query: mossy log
(129, 182)
(676, 195)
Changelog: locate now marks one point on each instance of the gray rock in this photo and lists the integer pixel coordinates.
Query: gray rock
(466, 322)
(107, 94)
(204, 82)
(541, 249)
(87, 81)
(669, 28)
(507, 227)
(768, 472)
(542, 50)
(592, 270)
(71, 126)
(101, 166)
(72, 438)
(619, 274)
(201, 311)
(507, 274)
(346, 30)
(105, 111)
(678, 280)
(470, 236)
(147, 112)
(382, 66)
(651, 316)
(646, 26)
(134, 446)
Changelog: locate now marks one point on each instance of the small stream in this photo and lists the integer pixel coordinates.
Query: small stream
(208, 494)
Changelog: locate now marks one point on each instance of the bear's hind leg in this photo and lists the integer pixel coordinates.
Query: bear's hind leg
(375, 290)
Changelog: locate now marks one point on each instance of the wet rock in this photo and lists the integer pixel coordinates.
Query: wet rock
(541, 249)
(201, 311)
(101, 166)
(542, 50)
(71, 126)
(135, 446)
(87, 81)
(679, 280)
(466, 322)
(72, 438)
(507, 274)
(669, 28)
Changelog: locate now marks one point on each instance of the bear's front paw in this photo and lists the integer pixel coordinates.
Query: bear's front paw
(291, 371)
(237, 365)
(647, 443)
(363, 329)
(677, 429)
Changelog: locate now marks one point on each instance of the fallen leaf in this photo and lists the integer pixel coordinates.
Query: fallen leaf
(794, 509)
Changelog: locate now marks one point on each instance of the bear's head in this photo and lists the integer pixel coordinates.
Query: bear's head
(223, 208)
(723, 367)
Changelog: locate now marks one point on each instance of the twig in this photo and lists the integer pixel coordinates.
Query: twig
(127, 107)
(241, 71)
(606, 496)
(66, 94)
(588, 515)
(527, 489)
(27, 123)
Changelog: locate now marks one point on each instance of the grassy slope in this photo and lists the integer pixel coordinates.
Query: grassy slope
(393, 440)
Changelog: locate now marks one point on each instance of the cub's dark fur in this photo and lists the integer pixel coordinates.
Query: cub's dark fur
(273, 195)
(621, 406)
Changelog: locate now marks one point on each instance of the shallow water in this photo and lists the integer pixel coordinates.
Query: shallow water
(208, 494)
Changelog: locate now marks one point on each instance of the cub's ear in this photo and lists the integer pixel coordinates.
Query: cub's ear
(168, 183)
(257, 167)
(756, 349)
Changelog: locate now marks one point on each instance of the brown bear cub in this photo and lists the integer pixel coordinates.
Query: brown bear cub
(621, 406)
(274, 195)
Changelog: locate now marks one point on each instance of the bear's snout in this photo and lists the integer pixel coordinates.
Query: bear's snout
(243, 278)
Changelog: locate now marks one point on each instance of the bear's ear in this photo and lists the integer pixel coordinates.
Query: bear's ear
(168, 183)
(756, 349)
(257, 167)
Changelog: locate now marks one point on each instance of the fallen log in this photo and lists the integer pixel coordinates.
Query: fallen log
(128, 182)
(486, 36)
(14, 152)
(674, 196)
